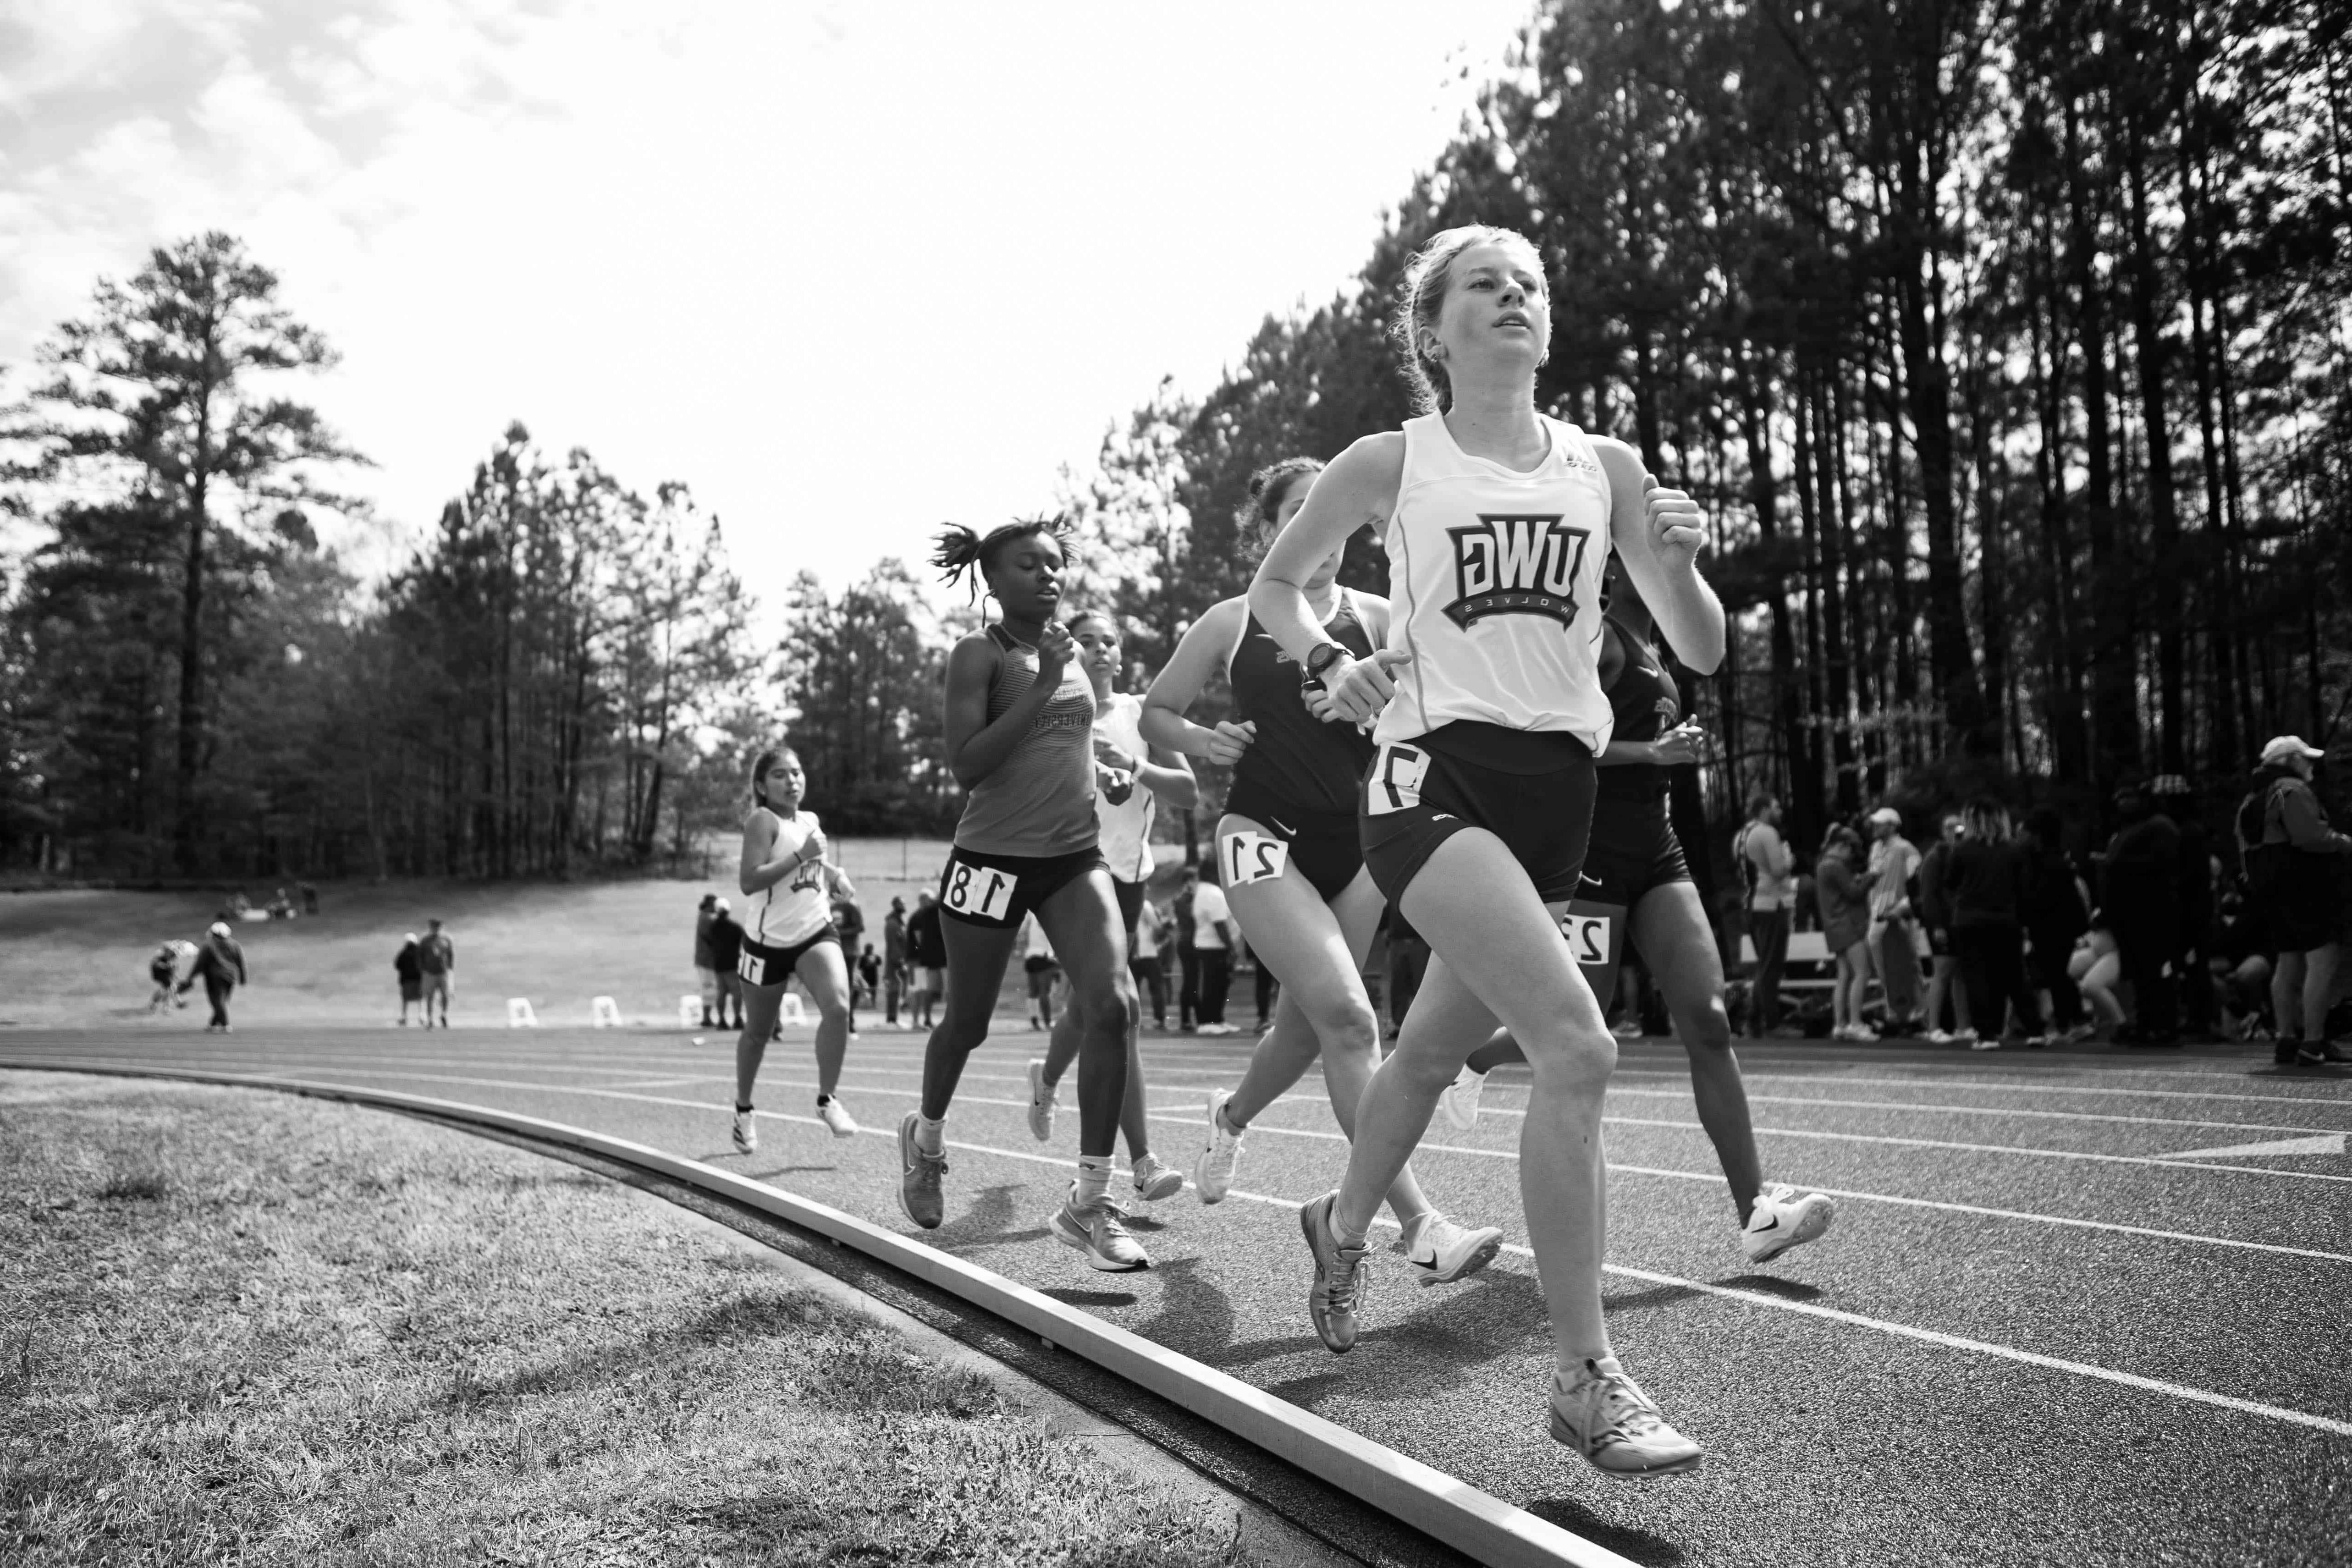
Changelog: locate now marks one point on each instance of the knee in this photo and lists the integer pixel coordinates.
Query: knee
(1577, 1063)
(1707, 1027)
(1108, 1005)
(1346, 1026)
(833, 1013)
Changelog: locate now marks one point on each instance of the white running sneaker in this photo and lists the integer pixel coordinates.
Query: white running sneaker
(838, 1117)
(747, 1136)
(1458, 1101)
(1616, 1427)
(1441, 1252)
(1939, 1037)
(1100, 1232)
(1783, 1218)
(1041, 1098)
(1212, 1171)
(1153, 1180)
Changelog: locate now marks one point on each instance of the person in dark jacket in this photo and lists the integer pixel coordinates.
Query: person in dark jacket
(2198, 901)
(1986, 879)
(706, 967)
(2139, 890)
(726, 951)
(220, 964)
(2053, 918)
(2294, 864)
(927, 950)
(411, 975)
(1936, 917)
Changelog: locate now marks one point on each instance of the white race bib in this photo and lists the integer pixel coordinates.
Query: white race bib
(1588, 936)
(1245, 858)
(982, 892)
(1397, 773)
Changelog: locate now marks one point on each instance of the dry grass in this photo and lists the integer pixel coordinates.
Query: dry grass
(240, 1329)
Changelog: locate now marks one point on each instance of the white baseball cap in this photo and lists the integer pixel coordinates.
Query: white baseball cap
(218, 928)
(1887, 814)
(2285, 745)
(722, 904)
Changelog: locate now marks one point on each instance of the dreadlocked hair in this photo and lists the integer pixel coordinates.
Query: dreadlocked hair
(1256, 519)
(962, 552)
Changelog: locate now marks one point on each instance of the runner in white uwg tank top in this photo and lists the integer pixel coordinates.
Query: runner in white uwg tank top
(788, 932)
(1498, 521)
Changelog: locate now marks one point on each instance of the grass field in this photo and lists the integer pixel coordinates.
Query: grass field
(80, 957)
(236, 1327)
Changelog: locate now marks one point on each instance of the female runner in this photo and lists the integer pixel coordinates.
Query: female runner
(788, 930)
(1292, 867)
(1499, 521)
(1131, 775)
(1637, 861)
(1019, 719)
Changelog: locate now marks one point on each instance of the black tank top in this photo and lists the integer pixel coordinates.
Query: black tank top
(1298, 760)
(1646, 704)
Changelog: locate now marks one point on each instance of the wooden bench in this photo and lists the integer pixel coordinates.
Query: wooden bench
(1807, 947)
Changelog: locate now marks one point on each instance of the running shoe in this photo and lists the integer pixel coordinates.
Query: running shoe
(2286, 1051)
(2324, 1054)
(1986, 1042)
(1783, 1218)
(1212, 1172)
(838, 1117)
(1939, 1037)
(1441, 1252)
(1617, 1427)
(1458, 1101)
(747, 1136)
(1153, 1180)
(1098, 1230)
(1630, 1028)
(1339, 1276)
(918, 1176)
(1042, 1097)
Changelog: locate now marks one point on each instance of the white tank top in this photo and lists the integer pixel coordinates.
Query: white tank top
(1126, 827)
(796, 905)
(1495, 588)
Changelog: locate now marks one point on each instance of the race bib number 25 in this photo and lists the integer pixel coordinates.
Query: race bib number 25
(1245, 858)
(982, 892)
(1397, 773)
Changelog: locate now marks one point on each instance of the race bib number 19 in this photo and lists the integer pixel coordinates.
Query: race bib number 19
(1245, 858)
(1397, 773)
(982, 892)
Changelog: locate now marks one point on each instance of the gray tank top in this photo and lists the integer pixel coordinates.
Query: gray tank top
(1041, 800)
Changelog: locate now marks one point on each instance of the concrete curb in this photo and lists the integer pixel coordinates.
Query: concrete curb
(1443, 1507)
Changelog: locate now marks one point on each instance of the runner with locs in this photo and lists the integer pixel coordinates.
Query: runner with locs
(1020, 726)
(788, 932)
(1498, 522)
(1636, 860)
(1129, 777)
(1290, 859)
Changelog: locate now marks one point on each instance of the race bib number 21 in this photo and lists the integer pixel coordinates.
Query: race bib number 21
(1251, 857)
(982, 892)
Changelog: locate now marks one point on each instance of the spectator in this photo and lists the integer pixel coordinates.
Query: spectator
(2098, 968)
(894, 961)
(2241, 965)
(2199, 894)
(869, 973)
(1146, 953)
(1936, 916)
(220, 964)
(927, 951)
(1767, 872)
(2293, 865)
(173, 961)
(726, 954)
(1986, 876)
(2054, 915)
(309, 897)
(2140, 890)
(1037, 960)
(1846, 928)
(1263, 983)
(409, 972)
(850, 921)
(436, 961)
(1214, 940)
(1187, 958)
(1408, 962)
(1892, 863)
(706, 967)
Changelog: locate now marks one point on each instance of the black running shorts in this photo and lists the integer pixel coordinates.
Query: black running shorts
(1634, 850)
(1259, 835)
(997, 891)
(761, 964)
(1417, 797)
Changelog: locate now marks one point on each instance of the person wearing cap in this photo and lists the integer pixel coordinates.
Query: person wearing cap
(1893, 862)
(2139, 891)
(726, 955)
(405, 968)
(436, 957)
(706, 969)
(2294, 859)
(220, 964)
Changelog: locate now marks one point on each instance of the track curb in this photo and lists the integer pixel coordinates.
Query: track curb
(1443, 1507)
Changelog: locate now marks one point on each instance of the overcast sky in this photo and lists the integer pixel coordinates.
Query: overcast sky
(846, 269)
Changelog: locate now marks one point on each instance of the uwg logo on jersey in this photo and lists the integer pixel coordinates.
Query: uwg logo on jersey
(1515, 565)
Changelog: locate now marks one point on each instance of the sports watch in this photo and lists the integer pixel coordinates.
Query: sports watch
(1323, 658)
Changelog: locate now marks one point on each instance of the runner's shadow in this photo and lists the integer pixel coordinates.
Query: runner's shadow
(1772, 1285)
(1655, 1296)
(985, 1222)
(1304, 1391)
(1071, 1295)
(1638, 1544)
(1194, 1312)
(784, 1171)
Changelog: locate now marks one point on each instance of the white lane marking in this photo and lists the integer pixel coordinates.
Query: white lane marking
(1966, 1111)
(1949, 1080)
(2328, 1143)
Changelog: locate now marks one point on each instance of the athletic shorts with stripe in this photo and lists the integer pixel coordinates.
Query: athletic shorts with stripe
(1326, 846)
(761, 964)
(997, 891)
(1415, 798)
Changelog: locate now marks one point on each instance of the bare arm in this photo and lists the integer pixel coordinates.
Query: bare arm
(1169, 776)
(1357, 489)
(1658, 532)
(1205, 646)
(771, 848)
(977, 748)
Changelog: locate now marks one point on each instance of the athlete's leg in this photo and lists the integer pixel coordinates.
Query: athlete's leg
(976, 956)
(1499, 959)
(1081, 919)
(760, 1005)
(1670, 927)
(1061, 1049)
(822, 970)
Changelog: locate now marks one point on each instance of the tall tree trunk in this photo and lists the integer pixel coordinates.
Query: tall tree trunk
(2165, 560)
(2114, 717)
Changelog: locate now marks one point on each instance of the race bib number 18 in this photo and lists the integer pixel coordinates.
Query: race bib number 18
(982, 892)
(1397, 773)
(1245, 858)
